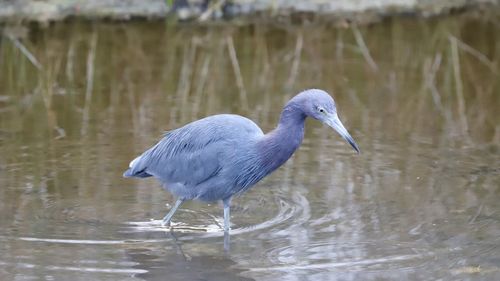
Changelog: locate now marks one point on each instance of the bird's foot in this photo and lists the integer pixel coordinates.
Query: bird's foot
(165, 223)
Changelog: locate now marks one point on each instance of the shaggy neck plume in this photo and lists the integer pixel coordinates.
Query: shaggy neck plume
(278, 145)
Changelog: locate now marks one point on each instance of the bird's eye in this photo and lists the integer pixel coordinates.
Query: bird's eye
(321, 110)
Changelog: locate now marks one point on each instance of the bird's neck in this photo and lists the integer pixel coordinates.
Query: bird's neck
(279, 144)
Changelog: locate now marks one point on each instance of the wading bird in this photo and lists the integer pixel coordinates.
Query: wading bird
(223, 155)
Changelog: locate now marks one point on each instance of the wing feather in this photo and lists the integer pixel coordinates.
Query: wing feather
(181, 156)
(196, 152)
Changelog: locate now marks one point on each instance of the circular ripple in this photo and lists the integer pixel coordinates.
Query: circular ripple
(285, 210)
(376, 255)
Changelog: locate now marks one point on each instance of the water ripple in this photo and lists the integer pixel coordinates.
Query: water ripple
(126, 271)
(296, 208)
(330, 265)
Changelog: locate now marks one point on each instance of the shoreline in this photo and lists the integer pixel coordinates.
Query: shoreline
(239, 11)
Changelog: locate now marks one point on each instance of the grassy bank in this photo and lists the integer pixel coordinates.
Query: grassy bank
(340, 11)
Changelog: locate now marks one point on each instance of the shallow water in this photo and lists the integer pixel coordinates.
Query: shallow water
(419, 203)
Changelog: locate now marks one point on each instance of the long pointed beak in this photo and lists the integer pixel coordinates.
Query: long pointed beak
(334, 122)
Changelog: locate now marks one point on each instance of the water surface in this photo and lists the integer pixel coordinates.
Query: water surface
(420, 202)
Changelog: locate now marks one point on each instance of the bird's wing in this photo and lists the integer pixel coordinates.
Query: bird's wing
(182, 156)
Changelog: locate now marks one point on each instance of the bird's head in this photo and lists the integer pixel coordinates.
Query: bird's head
(319, 105)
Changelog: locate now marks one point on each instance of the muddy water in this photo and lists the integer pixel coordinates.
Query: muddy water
(419, 203)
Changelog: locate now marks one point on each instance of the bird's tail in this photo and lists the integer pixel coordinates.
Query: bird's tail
(129, 173)
(135, 170)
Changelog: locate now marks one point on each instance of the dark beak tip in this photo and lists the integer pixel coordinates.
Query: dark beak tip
(356, 148)
(354, 145)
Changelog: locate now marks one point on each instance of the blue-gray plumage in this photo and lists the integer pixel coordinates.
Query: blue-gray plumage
(220, 156)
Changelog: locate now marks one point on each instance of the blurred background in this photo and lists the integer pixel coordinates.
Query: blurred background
(416, 84)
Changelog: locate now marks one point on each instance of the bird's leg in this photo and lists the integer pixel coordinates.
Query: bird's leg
(227, 242)
(168, 217)
(227, 219)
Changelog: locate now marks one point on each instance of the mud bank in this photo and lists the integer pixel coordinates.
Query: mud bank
(361, 11)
